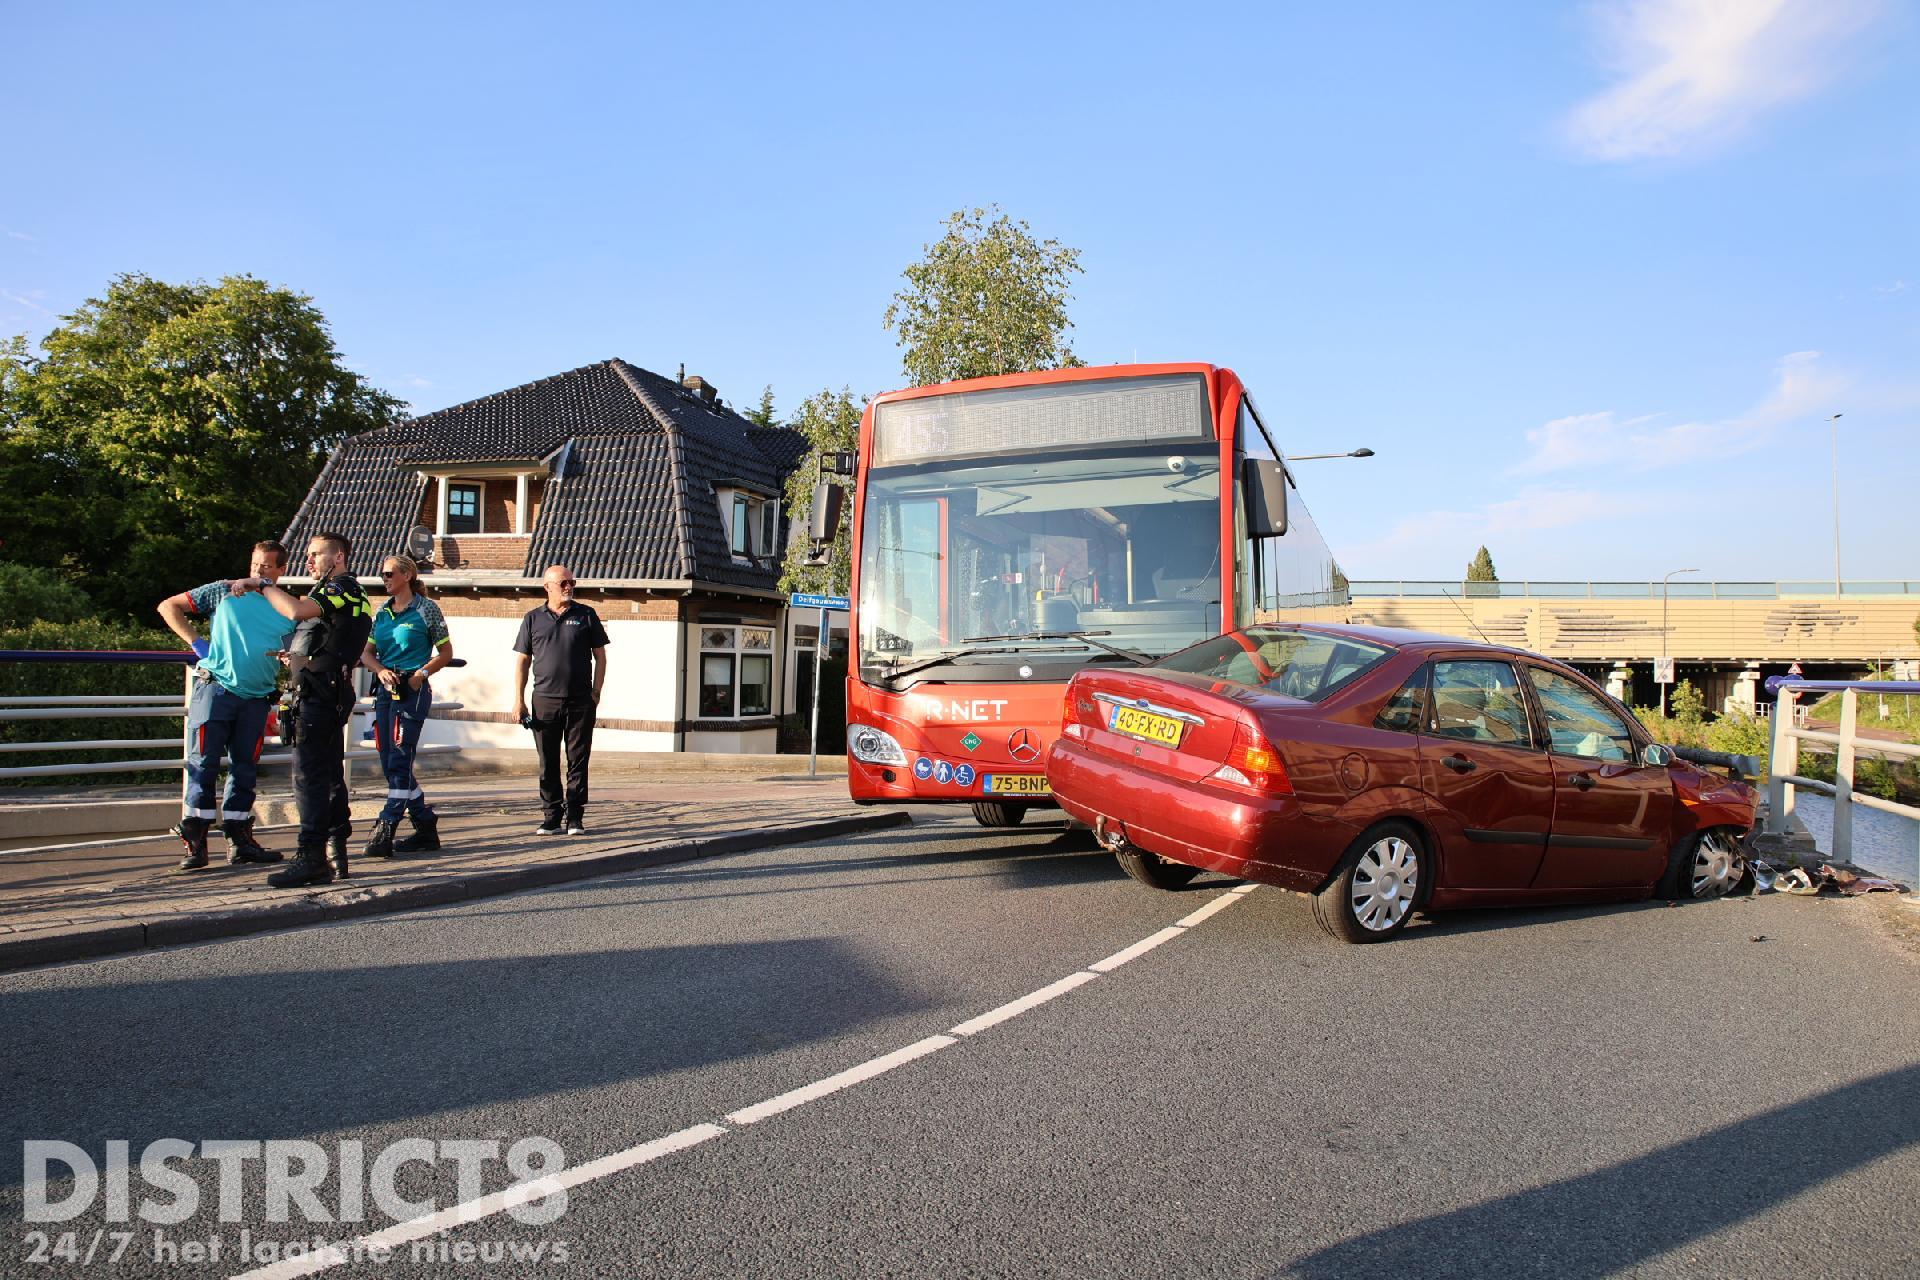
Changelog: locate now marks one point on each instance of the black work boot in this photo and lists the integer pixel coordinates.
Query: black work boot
(242, 847)
(193, 834)
(337, 850)
(309, 866)
(425, 837)
(381, 846)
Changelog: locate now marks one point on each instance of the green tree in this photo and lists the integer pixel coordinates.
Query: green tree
(168, 427)
(1689, 704)
(1481, 570)
(987, 298)
(830, 420)
(762, 413)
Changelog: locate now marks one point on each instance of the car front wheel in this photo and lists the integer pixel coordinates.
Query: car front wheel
(1707, 864)
(1372, 896)
(1153, 870)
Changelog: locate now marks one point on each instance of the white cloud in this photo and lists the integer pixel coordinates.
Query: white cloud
(1898, 286)
(30, 299)
(417, 382)
(1694, 72)
(1802, 391)
(17, 235)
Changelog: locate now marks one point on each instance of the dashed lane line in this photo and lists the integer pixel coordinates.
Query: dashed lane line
(402, 1233)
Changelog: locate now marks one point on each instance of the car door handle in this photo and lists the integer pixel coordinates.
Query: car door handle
(1459, 764)
(1584, 781)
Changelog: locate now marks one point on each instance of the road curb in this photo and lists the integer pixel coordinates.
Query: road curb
(348, 901)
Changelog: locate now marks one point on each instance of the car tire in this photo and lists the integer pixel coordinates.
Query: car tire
(998, 813)
(1377, 886)
(1153, 870)
(1706, 865)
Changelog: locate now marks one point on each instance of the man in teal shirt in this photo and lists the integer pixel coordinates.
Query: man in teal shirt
(233, 690)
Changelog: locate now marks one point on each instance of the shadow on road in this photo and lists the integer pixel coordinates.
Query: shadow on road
(1608, 1221)
(310, 1052)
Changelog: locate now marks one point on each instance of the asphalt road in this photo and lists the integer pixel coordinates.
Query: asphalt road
(1566, 1093)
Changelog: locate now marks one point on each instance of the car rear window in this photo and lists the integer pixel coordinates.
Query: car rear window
(1307, 665)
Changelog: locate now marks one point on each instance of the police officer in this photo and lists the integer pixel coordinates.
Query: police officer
(334, 620)
(233, 690)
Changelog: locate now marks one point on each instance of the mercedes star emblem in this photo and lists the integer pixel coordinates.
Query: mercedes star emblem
(1021, 746)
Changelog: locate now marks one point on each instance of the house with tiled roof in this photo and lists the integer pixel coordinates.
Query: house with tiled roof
(664, 503)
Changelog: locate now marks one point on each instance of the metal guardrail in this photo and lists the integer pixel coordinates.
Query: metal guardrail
(1784, 770)
(1628, 590)
(159, 706)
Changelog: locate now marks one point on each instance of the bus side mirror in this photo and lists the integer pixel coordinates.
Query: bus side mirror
(1263, 483)
(828, 499)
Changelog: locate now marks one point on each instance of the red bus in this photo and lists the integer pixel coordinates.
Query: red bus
(1009, 531)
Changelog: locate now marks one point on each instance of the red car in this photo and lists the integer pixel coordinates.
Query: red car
(1387, 772)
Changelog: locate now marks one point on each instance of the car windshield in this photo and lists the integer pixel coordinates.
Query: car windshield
(1307, 665)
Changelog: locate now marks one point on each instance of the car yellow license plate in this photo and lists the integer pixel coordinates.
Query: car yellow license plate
(1017, 784)
(1145, 724)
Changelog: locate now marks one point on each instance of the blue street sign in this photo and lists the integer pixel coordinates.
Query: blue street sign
(807, 600)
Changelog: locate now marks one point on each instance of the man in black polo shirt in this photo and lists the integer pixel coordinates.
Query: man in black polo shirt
(567, 647)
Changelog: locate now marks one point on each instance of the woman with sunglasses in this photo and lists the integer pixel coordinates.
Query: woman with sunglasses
(409, 643)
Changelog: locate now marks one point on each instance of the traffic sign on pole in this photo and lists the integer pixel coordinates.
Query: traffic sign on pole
(810, 600)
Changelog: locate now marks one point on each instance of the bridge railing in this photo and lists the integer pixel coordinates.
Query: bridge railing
(1654, 590)
(124, 706)
(1784, 771)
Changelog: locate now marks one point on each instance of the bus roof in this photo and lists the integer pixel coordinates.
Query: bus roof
(1041, 377)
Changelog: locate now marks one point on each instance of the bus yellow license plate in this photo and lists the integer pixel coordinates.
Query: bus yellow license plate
(1017, 784)
(1145, 724)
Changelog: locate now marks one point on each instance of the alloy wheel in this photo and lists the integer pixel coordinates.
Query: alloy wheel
(1385, 883)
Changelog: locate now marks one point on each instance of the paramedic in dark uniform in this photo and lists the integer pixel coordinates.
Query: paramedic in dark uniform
(334, 621)
(566, 646)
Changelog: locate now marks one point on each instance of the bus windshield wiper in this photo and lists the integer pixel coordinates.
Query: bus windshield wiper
(894, 673)
(1086, 637)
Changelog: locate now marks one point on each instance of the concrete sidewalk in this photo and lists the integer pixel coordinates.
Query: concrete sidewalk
(78, 903)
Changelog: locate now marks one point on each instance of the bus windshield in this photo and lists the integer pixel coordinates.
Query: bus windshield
(1122, 541)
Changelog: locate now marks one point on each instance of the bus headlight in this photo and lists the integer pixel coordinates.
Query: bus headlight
(874, 746)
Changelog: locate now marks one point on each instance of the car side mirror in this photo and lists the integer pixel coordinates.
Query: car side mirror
(1263, 484)
(1657, 756)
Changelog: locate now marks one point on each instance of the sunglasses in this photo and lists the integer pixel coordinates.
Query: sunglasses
(564, 582)
(393, 573)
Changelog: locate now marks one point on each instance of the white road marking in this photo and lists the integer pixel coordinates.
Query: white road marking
(540, 1188)
(486, 1206)
(1137, 950)
(1032, 1000)
(845, 1079)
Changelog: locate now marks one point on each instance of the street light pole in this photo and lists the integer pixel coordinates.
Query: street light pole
(1311, 457)
(1666, 644)
(1833, 424)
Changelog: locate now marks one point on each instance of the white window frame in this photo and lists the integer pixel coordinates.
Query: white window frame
(736, 651)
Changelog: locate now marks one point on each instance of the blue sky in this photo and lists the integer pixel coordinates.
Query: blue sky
(1588, 278)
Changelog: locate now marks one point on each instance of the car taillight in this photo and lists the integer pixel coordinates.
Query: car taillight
(1253, 765)
(1069, 714)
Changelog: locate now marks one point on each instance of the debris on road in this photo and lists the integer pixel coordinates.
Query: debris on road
(1829, 878)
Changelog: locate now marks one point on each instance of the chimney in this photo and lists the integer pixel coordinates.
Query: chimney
(700, 387)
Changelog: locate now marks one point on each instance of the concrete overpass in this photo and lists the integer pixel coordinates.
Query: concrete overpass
(1726, 637)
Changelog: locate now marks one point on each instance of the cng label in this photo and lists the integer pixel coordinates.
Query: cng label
(972, 741)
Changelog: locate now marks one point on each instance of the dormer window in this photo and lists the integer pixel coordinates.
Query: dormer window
(463, 507)
(752, 524)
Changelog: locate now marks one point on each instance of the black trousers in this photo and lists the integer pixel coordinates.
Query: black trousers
(564, 722)
(319, 758)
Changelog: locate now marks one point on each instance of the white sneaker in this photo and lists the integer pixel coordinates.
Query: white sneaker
(575, 829)
(548, 829)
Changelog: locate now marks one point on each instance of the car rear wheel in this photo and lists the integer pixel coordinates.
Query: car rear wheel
(1153, 870)
(1707, 864)
(998, 813)
(1373, 894)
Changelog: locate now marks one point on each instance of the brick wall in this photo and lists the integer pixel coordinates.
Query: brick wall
(481, 553)
(616, 609)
